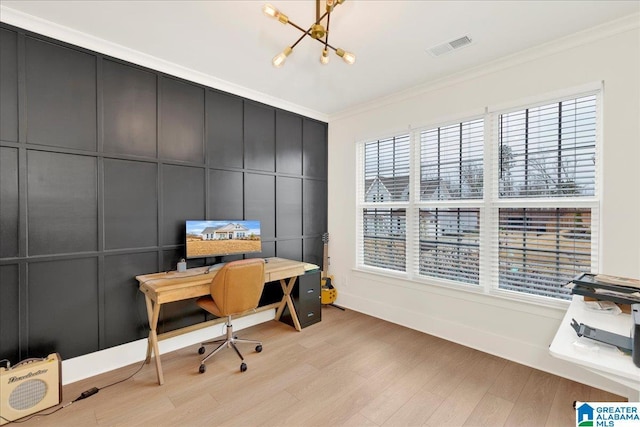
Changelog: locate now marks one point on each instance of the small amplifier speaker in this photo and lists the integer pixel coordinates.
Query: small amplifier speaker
(29, 387)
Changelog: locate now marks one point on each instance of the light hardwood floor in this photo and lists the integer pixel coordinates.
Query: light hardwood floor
(350, 369)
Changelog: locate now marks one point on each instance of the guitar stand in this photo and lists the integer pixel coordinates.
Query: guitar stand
(327, 286)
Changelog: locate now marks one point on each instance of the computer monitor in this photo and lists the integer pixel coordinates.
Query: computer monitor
(216, 238)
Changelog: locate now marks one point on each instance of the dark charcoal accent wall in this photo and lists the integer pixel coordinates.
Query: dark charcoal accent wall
(60, 95)
(102, 161)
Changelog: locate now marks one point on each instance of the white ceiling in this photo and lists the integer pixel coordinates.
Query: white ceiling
(233, 41)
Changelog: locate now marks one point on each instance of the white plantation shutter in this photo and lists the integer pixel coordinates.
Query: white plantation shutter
(507, 203)
(384, 243)
(546, 212)
(548, 151)
(384, 191)
(451, 161)
(450, 244)
(451, 172)
(386, 169)
(541, 249)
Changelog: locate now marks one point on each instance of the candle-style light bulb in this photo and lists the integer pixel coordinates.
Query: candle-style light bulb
(272, 12)
(324, 58)
(347, 57)
(278, 60)
(329, 5)
(269, 10)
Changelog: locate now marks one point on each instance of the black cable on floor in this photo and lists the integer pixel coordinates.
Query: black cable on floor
(85, 394)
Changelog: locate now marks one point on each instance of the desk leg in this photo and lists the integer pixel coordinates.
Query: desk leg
(286, 300)
(149, 304)
(153, 313)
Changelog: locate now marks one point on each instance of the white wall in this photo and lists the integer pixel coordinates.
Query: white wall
(514, 330)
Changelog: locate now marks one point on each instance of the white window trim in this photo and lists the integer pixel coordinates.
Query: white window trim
(488, 241)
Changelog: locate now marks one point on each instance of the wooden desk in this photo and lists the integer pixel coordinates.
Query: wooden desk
(171, 286)
(601, 359)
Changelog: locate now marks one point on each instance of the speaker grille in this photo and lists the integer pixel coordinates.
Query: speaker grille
(28, 394)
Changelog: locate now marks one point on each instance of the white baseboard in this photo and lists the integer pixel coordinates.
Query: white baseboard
(519, 351)
(89, 365)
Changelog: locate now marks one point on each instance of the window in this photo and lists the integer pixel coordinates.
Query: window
(384, 238)
(386, 182)
(451, 162)
(451, 172)
(503, 203)
(547, 155)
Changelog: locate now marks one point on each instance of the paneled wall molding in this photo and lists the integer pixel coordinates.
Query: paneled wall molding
(103, 161)
(87, 41)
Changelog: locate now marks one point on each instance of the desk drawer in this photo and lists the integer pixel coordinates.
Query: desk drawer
(309, 317)
(308, 304)
(309, 294)
(306, 300)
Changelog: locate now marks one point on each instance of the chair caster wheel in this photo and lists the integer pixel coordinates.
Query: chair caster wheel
(243, 367)
(202, 369)
(201, 350)
(258, 348)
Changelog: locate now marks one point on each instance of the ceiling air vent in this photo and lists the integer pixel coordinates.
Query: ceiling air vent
(452, 45)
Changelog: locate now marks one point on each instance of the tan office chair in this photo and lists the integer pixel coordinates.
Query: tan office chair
(235, 289)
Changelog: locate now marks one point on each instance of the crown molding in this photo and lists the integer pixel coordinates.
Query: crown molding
(590, 35)
(68, 35)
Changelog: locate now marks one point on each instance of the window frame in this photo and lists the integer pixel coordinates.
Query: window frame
(490, 203)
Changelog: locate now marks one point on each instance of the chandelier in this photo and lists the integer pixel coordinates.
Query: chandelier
(316, 31)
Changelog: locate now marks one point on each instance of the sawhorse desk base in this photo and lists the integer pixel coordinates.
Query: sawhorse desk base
(162, 288)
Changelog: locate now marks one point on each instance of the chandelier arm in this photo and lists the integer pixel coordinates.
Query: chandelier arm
(299, 27)
(315, 33)
(322, 17)
(326, 38)
(306, 33)
(293, 24)
(326, 44)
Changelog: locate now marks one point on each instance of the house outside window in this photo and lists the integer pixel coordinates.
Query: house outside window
(546, 202)
(504, 203)
(384, 199)
(451, 185)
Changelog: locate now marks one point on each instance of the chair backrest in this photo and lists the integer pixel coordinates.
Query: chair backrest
(238, 285)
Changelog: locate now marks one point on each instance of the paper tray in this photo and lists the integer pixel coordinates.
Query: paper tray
(589, 280)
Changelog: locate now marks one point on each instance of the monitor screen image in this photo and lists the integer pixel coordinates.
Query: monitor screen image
(209, 238)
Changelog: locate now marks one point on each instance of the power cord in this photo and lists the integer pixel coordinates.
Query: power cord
(85, 394)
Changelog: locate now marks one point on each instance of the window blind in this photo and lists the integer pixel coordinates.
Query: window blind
(386, 169)
(450, 244)
(451, 172)
(541, 249)
(385, 180)
(507, 202)
(548, 151)
(451, 161)
(384, 243)
(546, 208)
